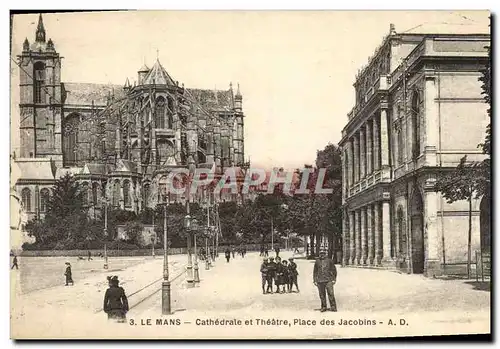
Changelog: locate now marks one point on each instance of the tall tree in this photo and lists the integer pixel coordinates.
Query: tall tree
(461, 184)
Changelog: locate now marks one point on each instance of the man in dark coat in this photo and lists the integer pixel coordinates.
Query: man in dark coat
(278, 279)
(277, 250)
(68, 274)
(324, 277)
(293, 273)
(263, 272)
(115, 301)
(271, 271)
(14, 263)
(89, 255)
(228, 254)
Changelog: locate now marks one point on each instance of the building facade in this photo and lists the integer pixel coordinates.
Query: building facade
(418, 111)
(119, 141)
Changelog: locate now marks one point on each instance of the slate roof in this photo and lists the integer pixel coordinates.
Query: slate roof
(158, 75)
(218, 100)
(76, 93)
(35, 169)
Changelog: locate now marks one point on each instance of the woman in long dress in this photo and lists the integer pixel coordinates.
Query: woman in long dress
(115, 301)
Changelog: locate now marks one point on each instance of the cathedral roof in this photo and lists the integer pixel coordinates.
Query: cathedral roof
(213, 100)
(77, 93)
(158, 75)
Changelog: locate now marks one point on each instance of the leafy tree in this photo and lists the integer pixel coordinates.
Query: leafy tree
(461, 184)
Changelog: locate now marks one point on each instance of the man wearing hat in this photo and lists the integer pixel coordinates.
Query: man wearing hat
(263, 272)
(324, 277)
(271, 272)
(293, 273)
(115, 301)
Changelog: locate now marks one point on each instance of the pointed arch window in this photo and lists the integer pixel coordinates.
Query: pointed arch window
(146, 192)
(170, 113)
(85, 194)
(44, 198)
(70, 139)
(116, 194)
(415, 120)
(126, 194)
(39, 82)
(160, 112)
(95, 188)
(26, 199)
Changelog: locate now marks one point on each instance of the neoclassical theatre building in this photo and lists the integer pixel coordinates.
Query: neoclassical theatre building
(418, 111)
(119, 141)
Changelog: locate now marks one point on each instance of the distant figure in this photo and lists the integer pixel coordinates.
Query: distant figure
(228, 254)
(115, 301)
(293, 273)
(324, 277)
(261, 251)
(296, 250)
(69, 276)
(14, 263)
(277, 250)
(90, 256)
(233, 251)
(263, 272)
(266, 252)
(244, 251)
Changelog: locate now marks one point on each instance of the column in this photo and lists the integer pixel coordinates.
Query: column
(345, 236)
(364, 242)
(345, 185)
(377, 233)
(430, 139)
(386, 230)
(384, 138)
(369, 232)
(432, 261)
(358, 236)
(362, 153)
(356, 159)
(349, 165)
(376, 145)
(369, 149)
(352, 237)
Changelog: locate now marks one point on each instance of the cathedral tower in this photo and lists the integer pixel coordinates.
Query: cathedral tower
(40, 98)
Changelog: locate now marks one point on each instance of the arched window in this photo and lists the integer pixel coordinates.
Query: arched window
(126, 194)
(95, 188)
(26, 198)
(39, 82)
(70, 139)
(166, 152)
(415, 120)
(160, 112)
(170, 113)
(85, 194)
(116, 194)
(44, 198)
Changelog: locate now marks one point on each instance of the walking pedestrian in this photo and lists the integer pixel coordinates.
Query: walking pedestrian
(89, 256)
(228, 254)
(68, 274)
(324, 277)
(115, 301)
(271, 271)
(263, 272)
(277, 250)
(14, 263)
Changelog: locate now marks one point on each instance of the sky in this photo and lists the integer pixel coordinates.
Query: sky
(296, 69)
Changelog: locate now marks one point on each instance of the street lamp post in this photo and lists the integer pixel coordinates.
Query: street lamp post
(105, 232)
(272, 233)
(189, 268)
(196, 270)
(165, 286)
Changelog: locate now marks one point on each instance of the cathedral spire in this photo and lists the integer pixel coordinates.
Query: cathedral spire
(40, 30)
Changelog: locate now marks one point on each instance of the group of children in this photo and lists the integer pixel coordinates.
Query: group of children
(283, 273)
